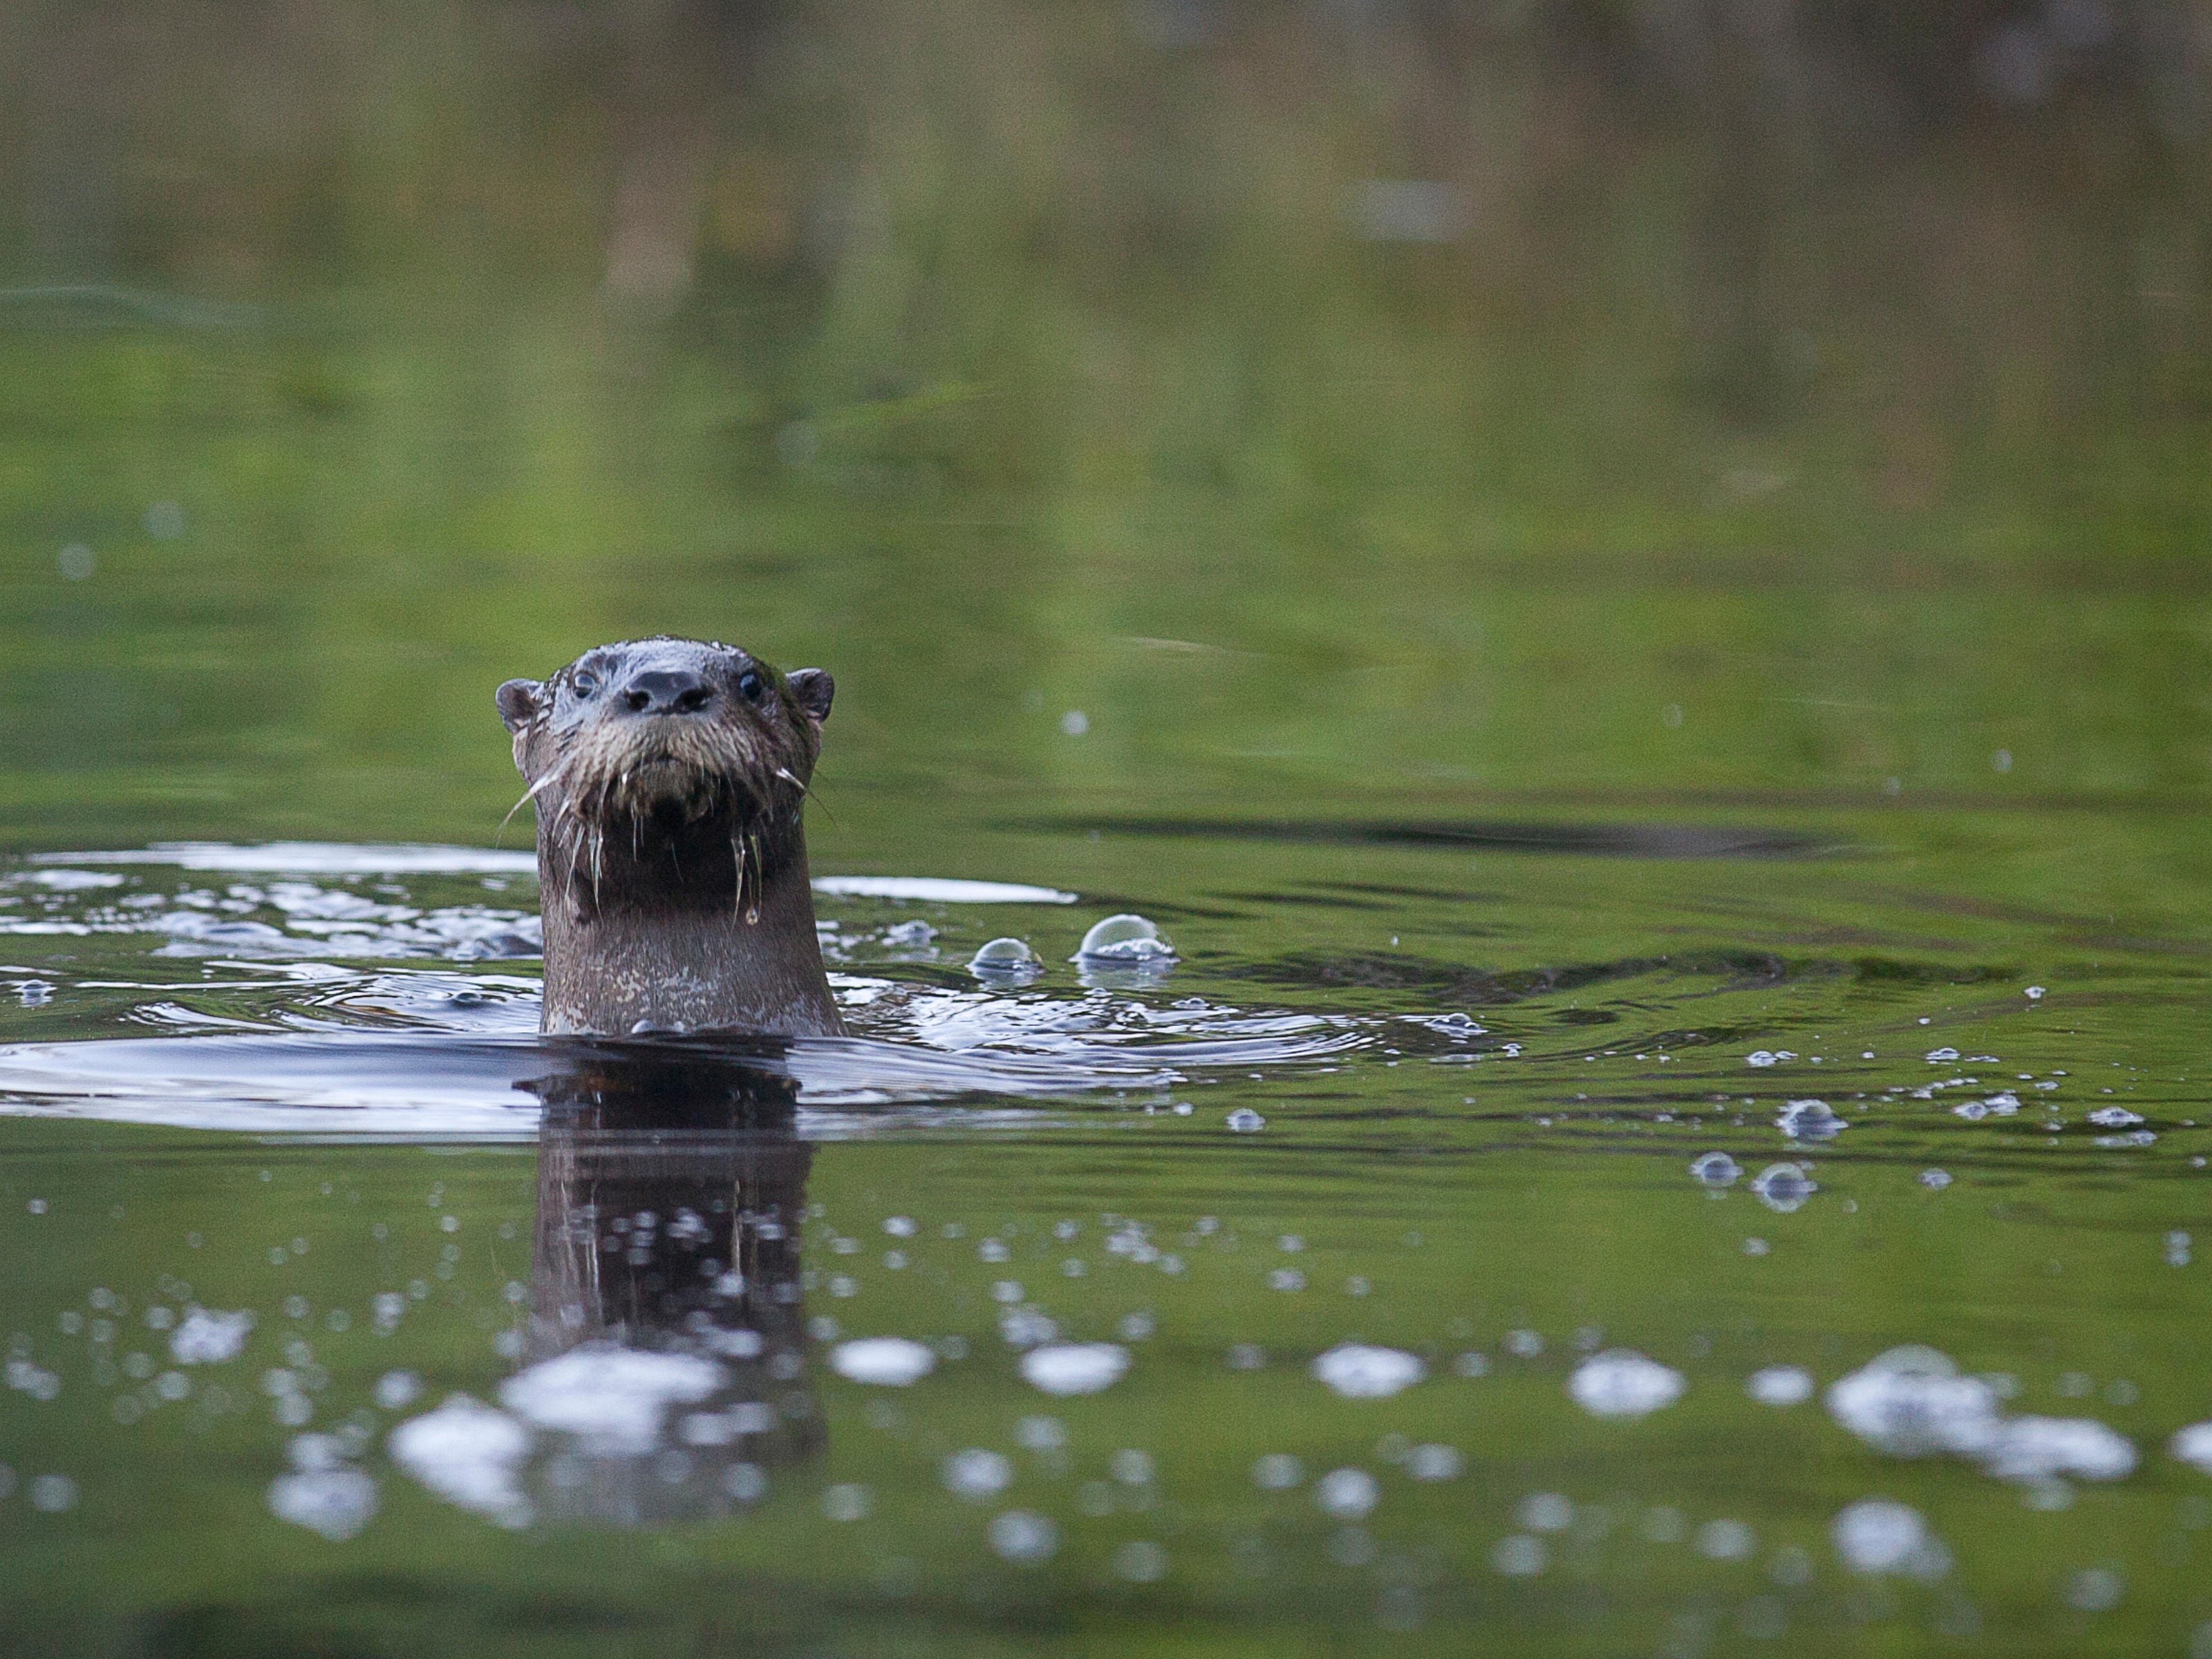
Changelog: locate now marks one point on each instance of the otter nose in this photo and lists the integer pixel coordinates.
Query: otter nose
(666, 692)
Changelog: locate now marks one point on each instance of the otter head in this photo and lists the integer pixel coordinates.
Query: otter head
(668, 777)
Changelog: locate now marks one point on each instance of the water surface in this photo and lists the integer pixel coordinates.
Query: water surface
(1633, 602)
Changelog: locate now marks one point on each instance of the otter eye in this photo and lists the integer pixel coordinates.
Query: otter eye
(584, 681)
(749, 683)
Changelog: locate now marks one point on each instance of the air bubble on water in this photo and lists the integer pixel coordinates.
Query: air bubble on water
(1880, 1535)
(1124, 938)
(1809, 1120)
(1040, 1434)
(1141, 1562)
(1358, 1371)
(1782, 1188)
(1716, 1170)
(1938, 1056)
(1280, 1471)
(2114, 1117)
(2095, 1590)
(1027, 1327)
(1518, 1555)
(892, 1362)
(1911, 1402)
(335, 1503)
(206, 1337)
(1286, 1279)
(848, 1500)
(1007, 960)
(1791, 1567)
(1936, 1179)
(1244, 1122)
(2033, 1449)
(1021, 1537)
(1434, 1462)
(1725, 1541)
(612, 1399)
(1545, 1511)
(992, 1249)
(2033, 993)
(1526, 1345)
(1134, 1327)
(1131, 1468)
(1347, 1494)
(2193, 1446)
(1006, 1291)
(1075, 1368)
(1780, 1385)
(1621, 1383)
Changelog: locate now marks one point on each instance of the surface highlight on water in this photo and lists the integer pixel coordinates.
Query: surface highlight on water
(1361, 1297)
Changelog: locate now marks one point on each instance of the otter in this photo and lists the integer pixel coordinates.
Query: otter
(667, 776)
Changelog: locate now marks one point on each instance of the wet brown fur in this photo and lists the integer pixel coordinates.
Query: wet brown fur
(671, 855)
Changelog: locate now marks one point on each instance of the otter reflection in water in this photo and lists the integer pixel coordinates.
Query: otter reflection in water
(665, 1366)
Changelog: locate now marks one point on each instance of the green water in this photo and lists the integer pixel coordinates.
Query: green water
(1411, 628)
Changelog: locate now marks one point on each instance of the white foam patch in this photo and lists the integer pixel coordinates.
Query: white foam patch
(1878, 1535)
(1911, 1401)
(977, 1473)
(73, 881)
(611, 1399)
(1780, 1385)
(1360, 1372)
(1075, 1367)
(2037, 1449)
(206, 1338)
(2193, 1446)
(934, 890)
(468, 1453)
(1347, 1494)
(891, 1361)
(1621, 1383)
(337, 1503)
(319, 857)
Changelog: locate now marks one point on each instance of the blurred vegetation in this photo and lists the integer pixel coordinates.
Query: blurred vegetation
(1322, 397)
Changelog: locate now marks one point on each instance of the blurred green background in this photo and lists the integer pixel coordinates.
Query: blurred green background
(1564, 405)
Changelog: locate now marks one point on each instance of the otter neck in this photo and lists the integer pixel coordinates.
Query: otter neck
(705, 926)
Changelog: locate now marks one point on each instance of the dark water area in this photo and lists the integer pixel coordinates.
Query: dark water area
(1627, 584)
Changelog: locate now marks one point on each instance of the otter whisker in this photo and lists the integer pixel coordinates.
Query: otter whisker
(528, 795)
(805, 789)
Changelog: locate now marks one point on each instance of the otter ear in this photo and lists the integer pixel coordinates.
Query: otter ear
(812, 688)
(519, 702)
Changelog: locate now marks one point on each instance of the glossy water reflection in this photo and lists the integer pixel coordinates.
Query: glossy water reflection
(1621, 588)
(1548, 1299)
